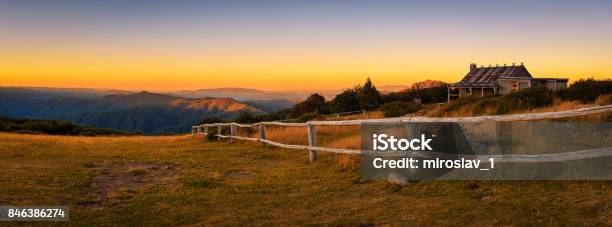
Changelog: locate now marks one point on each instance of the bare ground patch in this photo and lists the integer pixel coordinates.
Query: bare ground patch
(237, 174)
(126, 176)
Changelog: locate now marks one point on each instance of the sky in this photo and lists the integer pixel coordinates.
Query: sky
(288, 44)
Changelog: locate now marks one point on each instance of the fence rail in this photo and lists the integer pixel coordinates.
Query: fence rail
(313, 148)
(345, 113)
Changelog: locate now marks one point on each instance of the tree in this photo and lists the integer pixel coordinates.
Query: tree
(314, 103)
(346, 101)
(369, 97)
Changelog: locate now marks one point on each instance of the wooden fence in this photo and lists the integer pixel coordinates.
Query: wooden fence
(313, 148)
(345, 113)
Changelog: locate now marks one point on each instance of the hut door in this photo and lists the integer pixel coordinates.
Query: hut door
(514, 85)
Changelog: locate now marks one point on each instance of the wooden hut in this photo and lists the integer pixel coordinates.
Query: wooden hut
(484, 81)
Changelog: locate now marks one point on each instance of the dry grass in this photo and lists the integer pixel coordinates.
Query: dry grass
(215, 183)
(348, 137)
(288, 135)
(558, 105)
(348, 161)
(466, 111)
(349, 142)
(299, 135)
(604, 100)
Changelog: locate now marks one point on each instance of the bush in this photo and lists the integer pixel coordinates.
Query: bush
(313, 104)
(525, 100)
(587, 90)
(426, 95)
(346, 101)
(32, 126)
(517, 101)
(213, 131)
(398, 108)
(460, 103)
(246, 118)
(210, 120)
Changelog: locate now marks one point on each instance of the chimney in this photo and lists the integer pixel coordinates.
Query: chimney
(472, 67)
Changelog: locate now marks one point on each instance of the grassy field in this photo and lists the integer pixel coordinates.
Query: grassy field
(177, 180)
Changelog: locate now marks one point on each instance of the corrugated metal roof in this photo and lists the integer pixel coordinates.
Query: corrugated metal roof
(488, 76)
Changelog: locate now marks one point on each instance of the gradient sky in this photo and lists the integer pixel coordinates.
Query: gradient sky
(285, 44)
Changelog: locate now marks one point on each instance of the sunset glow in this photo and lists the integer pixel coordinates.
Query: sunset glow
(284, 45)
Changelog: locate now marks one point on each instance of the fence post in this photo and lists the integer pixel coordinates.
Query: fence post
(262, 133)
(233, 129)
(312, 142)
(205, 129)
(193, 132)
(219, 132)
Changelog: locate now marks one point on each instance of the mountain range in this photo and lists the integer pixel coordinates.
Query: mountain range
(247, 94)
(151, 113)
(148, 112)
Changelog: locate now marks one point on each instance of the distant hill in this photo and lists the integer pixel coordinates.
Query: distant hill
(46, 92)
(241, 94)
(151, 113)
(392, 88)
(427, 84)
(272, 105)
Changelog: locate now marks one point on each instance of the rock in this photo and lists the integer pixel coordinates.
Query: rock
(396, 178)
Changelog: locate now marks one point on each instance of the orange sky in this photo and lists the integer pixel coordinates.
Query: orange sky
(291, 47)
(276, 72)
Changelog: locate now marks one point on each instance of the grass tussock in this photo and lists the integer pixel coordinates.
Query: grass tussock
(604, 100)
(348, 161)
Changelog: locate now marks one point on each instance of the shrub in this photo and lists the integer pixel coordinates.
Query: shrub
(525, 100)
(210, 120)
(34, 126)
(517, 101)
(246, 118)
(426, 95)
(460, 103)
(587, 90)
(314, 103)
(213, 131)
(398, 108)
(346, 101)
